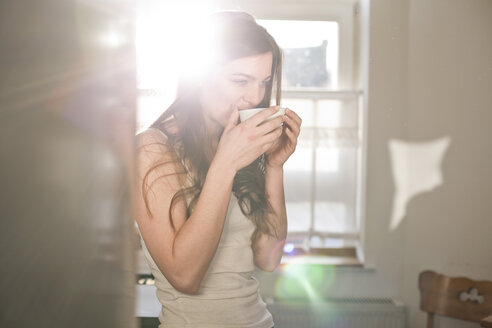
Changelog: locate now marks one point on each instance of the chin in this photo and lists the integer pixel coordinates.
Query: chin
(221, 121)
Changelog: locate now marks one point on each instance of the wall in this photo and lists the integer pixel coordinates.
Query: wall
(450, 95)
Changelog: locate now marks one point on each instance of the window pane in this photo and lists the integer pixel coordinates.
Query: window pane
(303, 107)
(298, 214)
(337, 113)
(298, 188)
(298, 171)
(327, 160)
(310, 51)
(335, 201)
(329, 145)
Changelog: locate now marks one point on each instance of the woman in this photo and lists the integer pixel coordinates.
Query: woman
(211, 204)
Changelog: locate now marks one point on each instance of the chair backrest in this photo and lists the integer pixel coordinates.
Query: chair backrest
(459, 298)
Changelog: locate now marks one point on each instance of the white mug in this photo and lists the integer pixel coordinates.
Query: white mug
(244, 114)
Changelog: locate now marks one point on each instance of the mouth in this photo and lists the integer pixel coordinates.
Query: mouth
(243, 107)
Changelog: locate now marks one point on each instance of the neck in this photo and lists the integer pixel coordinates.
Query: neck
(214, 132)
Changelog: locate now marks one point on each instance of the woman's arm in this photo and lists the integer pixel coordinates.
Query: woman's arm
(268, 249)
(183, 253)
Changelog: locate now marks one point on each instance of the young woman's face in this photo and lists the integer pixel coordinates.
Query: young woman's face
(239, 84)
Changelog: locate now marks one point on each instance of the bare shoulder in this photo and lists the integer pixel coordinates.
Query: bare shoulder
(151, 138)
(152, 144)
(155, 155)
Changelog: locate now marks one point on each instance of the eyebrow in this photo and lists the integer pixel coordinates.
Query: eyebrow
(251, 77)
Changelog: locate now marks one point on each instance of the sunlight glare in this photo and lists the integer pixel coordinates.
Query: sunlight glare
(170, 42)
(416, 168)
(112, 39)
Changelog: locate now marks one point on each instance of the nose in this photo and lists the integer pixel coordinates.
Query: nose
(254, 95)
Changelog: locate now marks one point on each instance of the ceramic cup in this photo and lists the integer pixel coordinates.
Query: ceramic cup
(244, 114)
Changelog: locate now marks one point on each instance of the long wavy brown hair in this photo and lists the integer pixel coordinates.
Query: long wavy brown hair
(183, 123)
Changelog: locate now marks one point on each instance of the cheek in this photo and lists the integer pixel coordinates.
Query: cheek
(228, 92)
(218, 99)
(263, 91)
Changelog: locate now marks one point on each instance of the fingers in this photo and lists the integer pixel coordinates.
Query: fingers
(292, 137)
(293, 121)
(271, 125)
(233, 119)
(270, 139)
(264, 133)
(292, 126)
(293, 115)
(258, 118)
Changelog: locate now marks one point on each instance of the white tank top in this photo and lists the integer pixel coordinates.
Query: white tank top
(228, 294)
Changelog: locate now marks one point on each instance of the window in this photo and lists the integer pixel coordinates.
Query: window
(323, 177)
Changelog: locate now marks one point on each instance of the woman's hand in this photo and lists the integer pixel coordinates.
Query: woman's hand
(240, 144)
(284, 146)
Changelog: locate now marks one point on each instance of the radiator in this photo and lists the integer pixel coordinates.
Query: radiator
(339, 313)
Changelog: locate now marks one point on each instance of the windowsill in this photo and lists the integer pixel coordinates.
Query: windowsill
(335, 256)
(322, 260)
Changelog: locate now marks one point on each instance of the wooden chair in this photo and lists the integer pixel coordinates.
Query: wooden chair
(459, 298)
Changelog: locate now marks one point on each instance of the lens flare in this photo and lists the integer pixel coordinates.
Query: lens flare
(289, 248)
(173, 41)
(304, 281)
